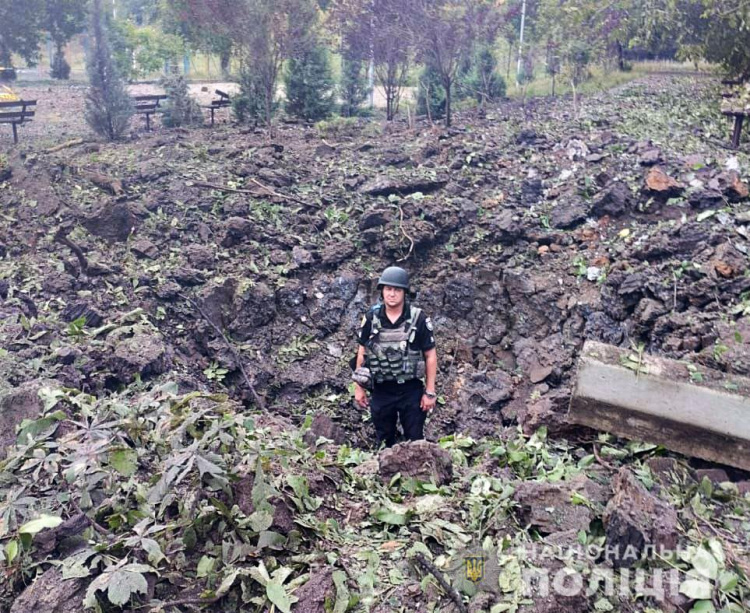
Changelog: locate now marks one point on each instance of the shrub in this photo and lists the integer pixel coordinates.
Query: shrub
(108, 106)
(309, 84)
(181, 109)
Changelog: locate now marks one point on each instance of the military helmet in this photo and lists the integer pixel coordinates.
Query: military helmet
(395, 277)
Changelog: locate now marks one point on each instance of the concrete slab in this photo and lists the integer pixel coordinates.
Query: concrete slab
(687, 408)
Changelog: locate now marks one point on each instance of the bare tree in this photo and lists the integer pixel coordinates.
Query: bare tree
(266, 32)
(444, 31)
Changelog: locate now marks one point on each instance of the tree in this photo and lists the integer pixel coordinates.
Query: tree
(444, 32)
(265, 33)
(309, 84)
(483, 82)
(20, 30)
(108, 106)
(376, 31)
(181, 108)
(63, 19)
(431, 93)
(353, 89)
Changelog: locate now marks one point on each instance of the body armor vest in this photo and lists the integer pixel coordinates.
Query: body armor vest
(388, 353)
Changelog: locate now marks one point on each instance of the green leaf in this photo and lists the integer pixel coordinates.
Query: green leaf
(261, 520)
(703, 606)
(124, 461)
(342, 592)
(152, 548)
(705, 215)
(388, 517)
(603, 605)
(277, 595)
(40, 523)
(76, 566)
(705, 564)
(696, 589)
(205, 566)
(227, 583)
(125, 582)
(11, 551)
(274, 540)
(728, 581)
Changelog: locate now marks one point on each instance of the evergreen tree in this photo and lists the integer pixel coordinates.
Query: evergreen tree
(353, 89)
(20, 30)
(63, 20)
(108, 106)
(482, 81)
(181, 109)
(309, 84)
(431, 93)
(250, 104)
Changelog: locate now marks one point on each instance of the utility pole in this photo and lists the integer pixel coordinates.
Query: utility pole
(520, 42)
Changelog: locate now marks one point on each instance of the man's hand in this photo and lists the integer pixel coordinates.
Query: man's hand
(427, 404)
(360, 396)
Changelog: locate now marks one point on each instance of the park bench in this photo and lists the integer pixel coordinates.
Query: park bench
(148, 105)
(16, 112)
(739, 118)
(222, 102)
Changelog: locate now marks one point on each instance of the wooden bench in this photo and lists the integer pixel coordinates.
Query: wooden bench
(739, 118)
(148, 105)
(16, 112)
(222, 102)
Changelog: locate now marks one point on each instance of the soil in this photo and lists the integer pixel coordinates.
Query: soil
(527, 230)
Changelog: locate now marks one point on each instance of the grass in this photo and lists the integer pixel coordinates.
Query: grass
(603, 79)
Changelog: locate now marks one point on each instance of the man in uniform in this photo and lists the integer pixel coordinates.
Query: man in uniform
(396, 349)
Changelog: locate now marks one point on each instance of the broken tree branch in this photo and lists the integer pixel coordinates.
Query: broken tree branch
(61, 236)
(258, 400)
(410, 239)
(65, 145)
(451, 591)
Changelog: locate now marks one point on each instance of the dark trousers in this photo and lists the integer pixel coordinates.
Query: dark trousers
(393, 403)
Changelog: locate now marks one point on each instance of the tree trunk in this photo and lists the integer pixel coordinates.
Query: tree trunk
(510, 56)
(620, 56)
(447, 87)
(224, 59)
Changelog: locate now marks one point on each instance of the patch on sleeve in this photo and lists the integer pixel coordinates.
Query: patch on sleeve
(364, 321)
(428, 323)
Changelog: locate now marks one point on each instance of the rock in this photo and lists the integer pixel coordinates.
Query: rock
(576, 150)
(144, 354)
(650, 157)
(735, 336)
(145, 249)
(20, 403)
(531, 191)
(324, 426)
(660, 184)
(385, 186)
(730, 185)
(189, 276)
(77, 310)
(706, 199)
(568, 214)
(663, 468)
(236, 230)
(550, 411)
(324, 149)
(275, 176)
(459, 293)
(636, 518)
(714, 475)
(482, 390)
(613, 200)
(50, 593)
(199, 256)
(527, 136)
(421, 460)
(538, 360)
(337, 252)
(313, 595)
(373, 219)
(168, 290)
(728, 261)
(114, 222)
(547, 506)
(256, 307)
(302, 257)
